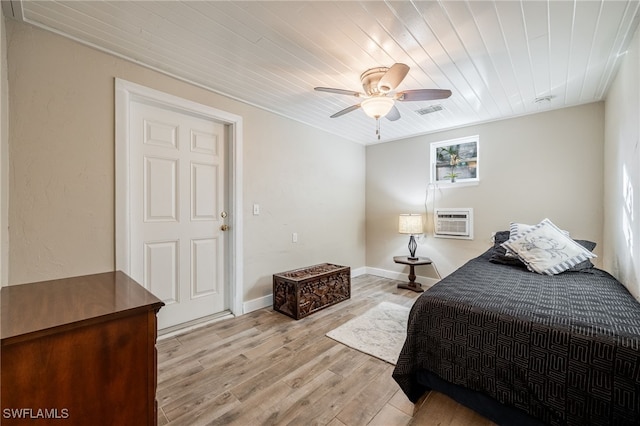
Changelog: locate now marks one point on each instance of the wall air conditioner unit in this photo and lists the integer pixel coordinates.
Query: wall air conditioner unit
(453, 223)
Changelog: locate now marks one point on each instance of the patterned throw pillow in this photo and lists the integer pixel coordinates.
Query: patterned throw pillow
(546, 249)
(516, 229)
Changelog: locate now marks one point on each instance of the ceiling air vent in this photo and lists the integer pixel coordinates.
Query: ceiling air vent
(429, 109)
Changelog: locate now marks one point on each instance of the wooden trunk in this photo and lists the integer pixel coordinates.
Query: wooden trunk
(304, 291)
(79, 351)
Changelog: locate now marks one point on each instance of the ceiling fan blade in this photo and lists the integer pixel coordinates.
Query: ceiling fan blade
(338, 91)
(346, 110)
(423, 95)
(392, 78)
(393, 114)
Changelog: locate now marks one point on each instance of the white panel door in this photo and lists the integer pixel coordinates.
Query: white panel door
(178, 211)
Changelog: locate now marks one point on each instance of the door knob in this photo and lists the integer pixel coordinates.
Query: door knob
(224, 227)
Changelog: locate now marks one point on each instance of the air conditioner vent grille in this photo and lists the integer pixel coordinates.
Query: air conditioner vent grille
(454, 223)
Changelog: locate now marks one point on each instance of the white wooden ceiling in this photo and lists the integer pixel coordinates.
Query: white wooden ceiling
(496, 57)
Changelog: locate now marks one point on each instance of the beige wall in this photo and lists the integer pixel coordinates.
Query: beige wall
(622, 172)
(4, 157)
(542, 165)
(61, 193)
(62, 169)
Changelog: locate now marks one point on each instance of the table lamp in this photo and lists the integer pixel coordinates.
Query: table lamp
(411, 224)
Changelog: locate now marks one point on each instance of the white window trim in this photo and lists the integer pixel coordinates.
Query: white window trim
(459, 182)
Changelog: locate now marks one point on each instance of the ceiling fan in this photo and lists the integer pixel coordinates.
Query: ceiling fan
(378, 84)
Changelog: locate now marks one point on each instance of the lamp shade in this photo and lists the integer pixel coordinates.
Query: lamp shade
(377, 107)
(410, 224)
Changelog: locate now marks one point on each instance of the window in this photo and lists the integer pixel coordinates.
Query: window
(455, 161)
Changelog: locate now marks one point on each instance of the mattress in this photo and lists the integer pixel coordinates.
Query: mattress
(564, 349)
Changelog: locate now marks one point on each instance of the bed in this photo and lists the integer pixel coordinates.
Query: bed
(527, 348)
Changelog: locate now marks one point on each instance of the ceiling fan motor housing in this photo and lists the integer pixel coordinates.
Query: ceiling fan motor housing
(378, 83)
(370, 79)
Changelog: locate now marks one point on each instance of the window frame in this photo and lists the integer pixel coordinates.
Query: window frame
(465, 170)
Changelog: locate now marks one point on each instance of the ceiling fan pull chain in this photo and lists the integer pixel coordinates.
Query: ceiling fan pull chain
(378, 128)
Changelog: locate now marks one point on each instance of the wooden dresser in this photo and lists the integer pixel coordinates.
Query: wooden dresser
(79, 350)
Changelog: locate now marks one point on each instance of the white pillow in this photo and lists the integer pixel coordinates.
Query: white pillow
(546, 249)
(520, 228)
(516, 229)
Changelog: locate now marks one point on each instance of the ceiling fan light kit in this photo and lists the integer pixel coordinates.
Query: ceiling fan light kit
(377, 107)
(379, 101)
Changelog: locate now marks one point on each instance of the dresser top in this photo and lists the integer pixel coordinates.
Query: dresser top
(50, 306)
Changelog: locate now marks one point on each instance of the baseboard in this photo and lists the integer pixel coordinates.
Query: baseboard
(358, 271)
(266, 301)
(259, 303)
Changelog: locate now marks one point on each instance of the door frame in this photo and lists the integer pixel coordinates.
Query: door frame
(127, 92)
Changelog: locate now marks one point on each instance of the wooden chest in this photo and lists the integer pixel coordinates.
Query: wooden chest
(304, 291)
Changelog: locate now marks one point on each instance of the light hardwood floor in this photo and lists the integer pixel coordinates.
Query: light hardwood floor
(266, 368)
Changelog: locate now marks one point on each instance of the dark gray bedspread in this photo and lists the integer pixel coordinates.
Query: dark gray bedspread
(565, 348)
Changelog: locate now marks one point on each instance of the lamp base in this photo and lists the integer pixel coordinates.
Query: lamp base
(412, 248)
(413, 258)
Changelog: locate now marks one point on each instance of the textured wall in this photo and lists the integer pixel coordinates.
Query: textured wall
(542, 165)
(622, 172)
(4, 158)
(62, 170)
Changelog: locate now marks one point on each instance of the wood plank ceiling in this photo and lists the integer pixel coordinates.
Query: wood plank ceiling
(497, 57)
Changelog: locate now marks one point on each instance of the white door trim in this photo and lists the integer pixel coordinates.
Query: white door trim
(127, 92)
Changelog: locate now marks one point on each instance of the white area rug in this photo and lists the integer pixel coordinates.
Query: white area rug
(380, 332)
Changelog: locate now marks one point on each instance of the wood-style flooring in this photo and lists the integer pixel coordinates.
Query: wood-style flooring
(264, 368)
